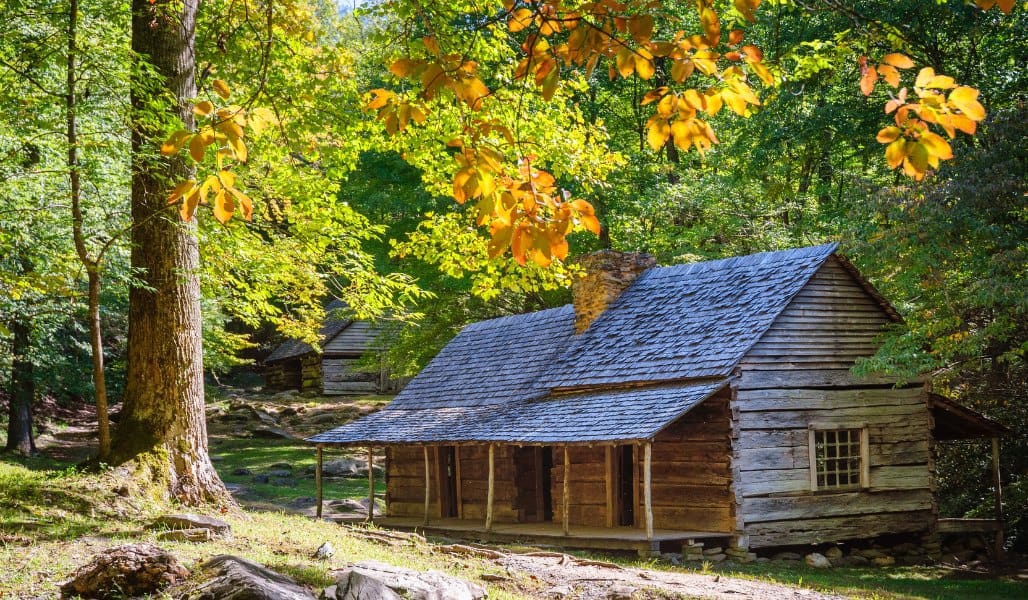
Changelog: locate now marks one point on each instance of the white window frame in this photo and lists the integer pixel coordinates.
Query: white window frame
(865, 455)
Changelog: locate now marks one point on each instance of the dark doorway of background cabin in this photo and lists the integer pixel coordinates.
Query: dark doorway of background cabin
(448, 485)
(625, 486)
(532, 474)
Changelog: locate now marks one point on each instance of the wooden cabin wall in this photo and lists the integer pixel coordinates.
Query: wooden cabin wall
(310, 373)
(353, 340)
(474, 482)
(285, 375)
(691, 471)
(588, 492)
(798, 376)
(405, 482)
(339, 377)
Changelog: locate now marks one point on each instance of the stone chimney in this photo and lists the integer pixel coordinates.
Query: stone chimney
(607, 274)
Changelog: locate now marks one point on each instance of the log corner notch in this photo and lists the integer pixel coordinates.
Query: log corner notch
(318, 482)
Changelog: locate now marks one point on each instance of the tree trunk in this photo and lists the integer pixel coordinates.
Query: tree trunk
(23, 391)
(92, 265)
(162, 426)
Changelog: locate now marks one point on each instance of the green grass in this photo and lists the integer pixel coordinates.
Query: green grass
(259, 455)
(879, 583)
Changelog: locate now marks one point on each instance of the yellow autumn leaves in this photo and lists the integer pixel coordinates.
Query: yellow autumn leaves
(222, 130)
(938, 100)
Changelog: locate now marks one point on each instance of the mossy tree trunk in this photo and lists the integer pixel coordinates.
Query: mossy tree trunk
(162, 425)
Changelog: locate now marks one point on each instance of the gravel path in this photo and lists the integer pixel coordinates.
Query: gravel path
(570, 577)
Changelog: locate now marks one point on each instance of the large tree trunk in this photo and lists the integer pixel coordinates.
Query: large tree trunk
(162, 424)
(23, 391)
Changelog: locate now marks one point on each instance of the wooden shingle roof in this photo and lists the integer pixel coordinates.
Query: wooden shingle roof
(329, 329)
(663, 346)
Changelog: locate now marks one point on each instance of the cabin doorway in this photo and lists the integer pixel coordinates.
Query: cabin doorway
(447, 482)
(532, 467)
(624, 478)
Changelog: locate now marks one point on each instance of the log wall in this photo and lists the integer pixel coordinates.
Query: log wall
(587, 486)
(405, 483)
(691, 471)
(797, 378)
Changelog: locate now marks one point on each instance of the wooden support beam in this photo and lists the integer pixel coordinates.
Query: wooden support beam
(428, 484)
(565, 497)
(490, 494)
(318, 483)
(648, 488)
(371, 484)
(608, 480)
(998, 486)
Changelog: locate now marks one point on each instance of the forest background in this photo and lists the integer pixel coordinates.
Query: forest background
(341, 207)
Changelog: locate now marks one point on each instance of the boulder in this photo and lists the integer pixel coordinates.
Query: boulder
(833, 553)
(344, 467)
(129, 570)
(271, 433)
(279, 473)
(402, 583)
(191, 521)
(621, 591)
(186, 535)
(282, 465)
(883, 561)
(233, 578)
(324, 551)
(818, 561)
(242, 471)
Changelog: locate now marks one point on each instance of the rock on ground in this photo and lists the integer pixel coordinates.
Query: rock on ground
(191, 521)
(368, 577)
(233, 578)
(818, 561)
(129, 570)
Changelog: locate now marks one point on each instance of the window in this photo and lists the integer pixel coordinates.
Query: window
(838, 458)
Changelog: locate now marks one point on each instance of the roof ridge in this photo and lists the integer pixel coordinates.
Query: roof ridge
(755, 259)
(506, 319)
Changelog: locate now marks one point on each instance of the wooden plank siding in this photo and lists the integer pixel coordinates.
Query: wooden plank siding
(798, 377)
(692, 474)
(405, 483)
(353, 340)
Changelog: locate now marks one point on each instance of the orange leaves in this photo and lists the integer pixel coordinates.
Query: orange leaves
(221, 128)
(911, 144)
(394, 112)
(1004, 5)
(446, 72)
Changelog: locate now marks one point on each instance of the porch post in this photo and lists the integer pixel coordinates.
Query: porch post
(371, 484)
(489, 493)
(997, 484)
(647, 491)
(608, 480)
(317, 484)
(565, 500)
(428, 484)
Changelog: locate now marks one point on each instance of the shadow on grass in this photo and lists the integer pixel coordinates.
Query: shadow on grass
(46, 504)
(892, 582)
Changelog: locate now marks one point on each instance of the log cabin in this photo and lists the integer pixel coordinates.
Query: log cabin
(334, 370)
(667, 405)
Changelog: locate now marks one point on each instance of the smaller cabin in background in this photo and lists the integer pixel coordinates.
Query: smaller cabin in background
(296, 365)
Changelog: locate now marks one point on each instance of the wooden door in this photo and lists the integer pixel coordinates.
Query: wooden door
(447, 477)
(532, 477)
(624, 485)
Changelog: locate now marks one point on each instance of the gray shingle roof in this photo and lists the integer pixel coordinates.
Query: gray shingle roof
(686, 321)
(329, 329)
(609, 415)
(494, 381)
(492, 362)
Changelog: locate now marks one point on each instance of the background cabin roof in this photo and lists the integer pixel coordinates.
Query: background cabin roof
(597, 416)
(329, 329)
(686, 321)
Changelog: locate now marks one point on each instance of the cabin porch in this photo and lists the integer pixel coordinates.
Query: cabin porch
(552, 534)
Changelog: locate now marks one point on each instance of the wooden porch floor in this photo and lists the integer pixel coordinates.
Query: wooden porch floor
(551, 534)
